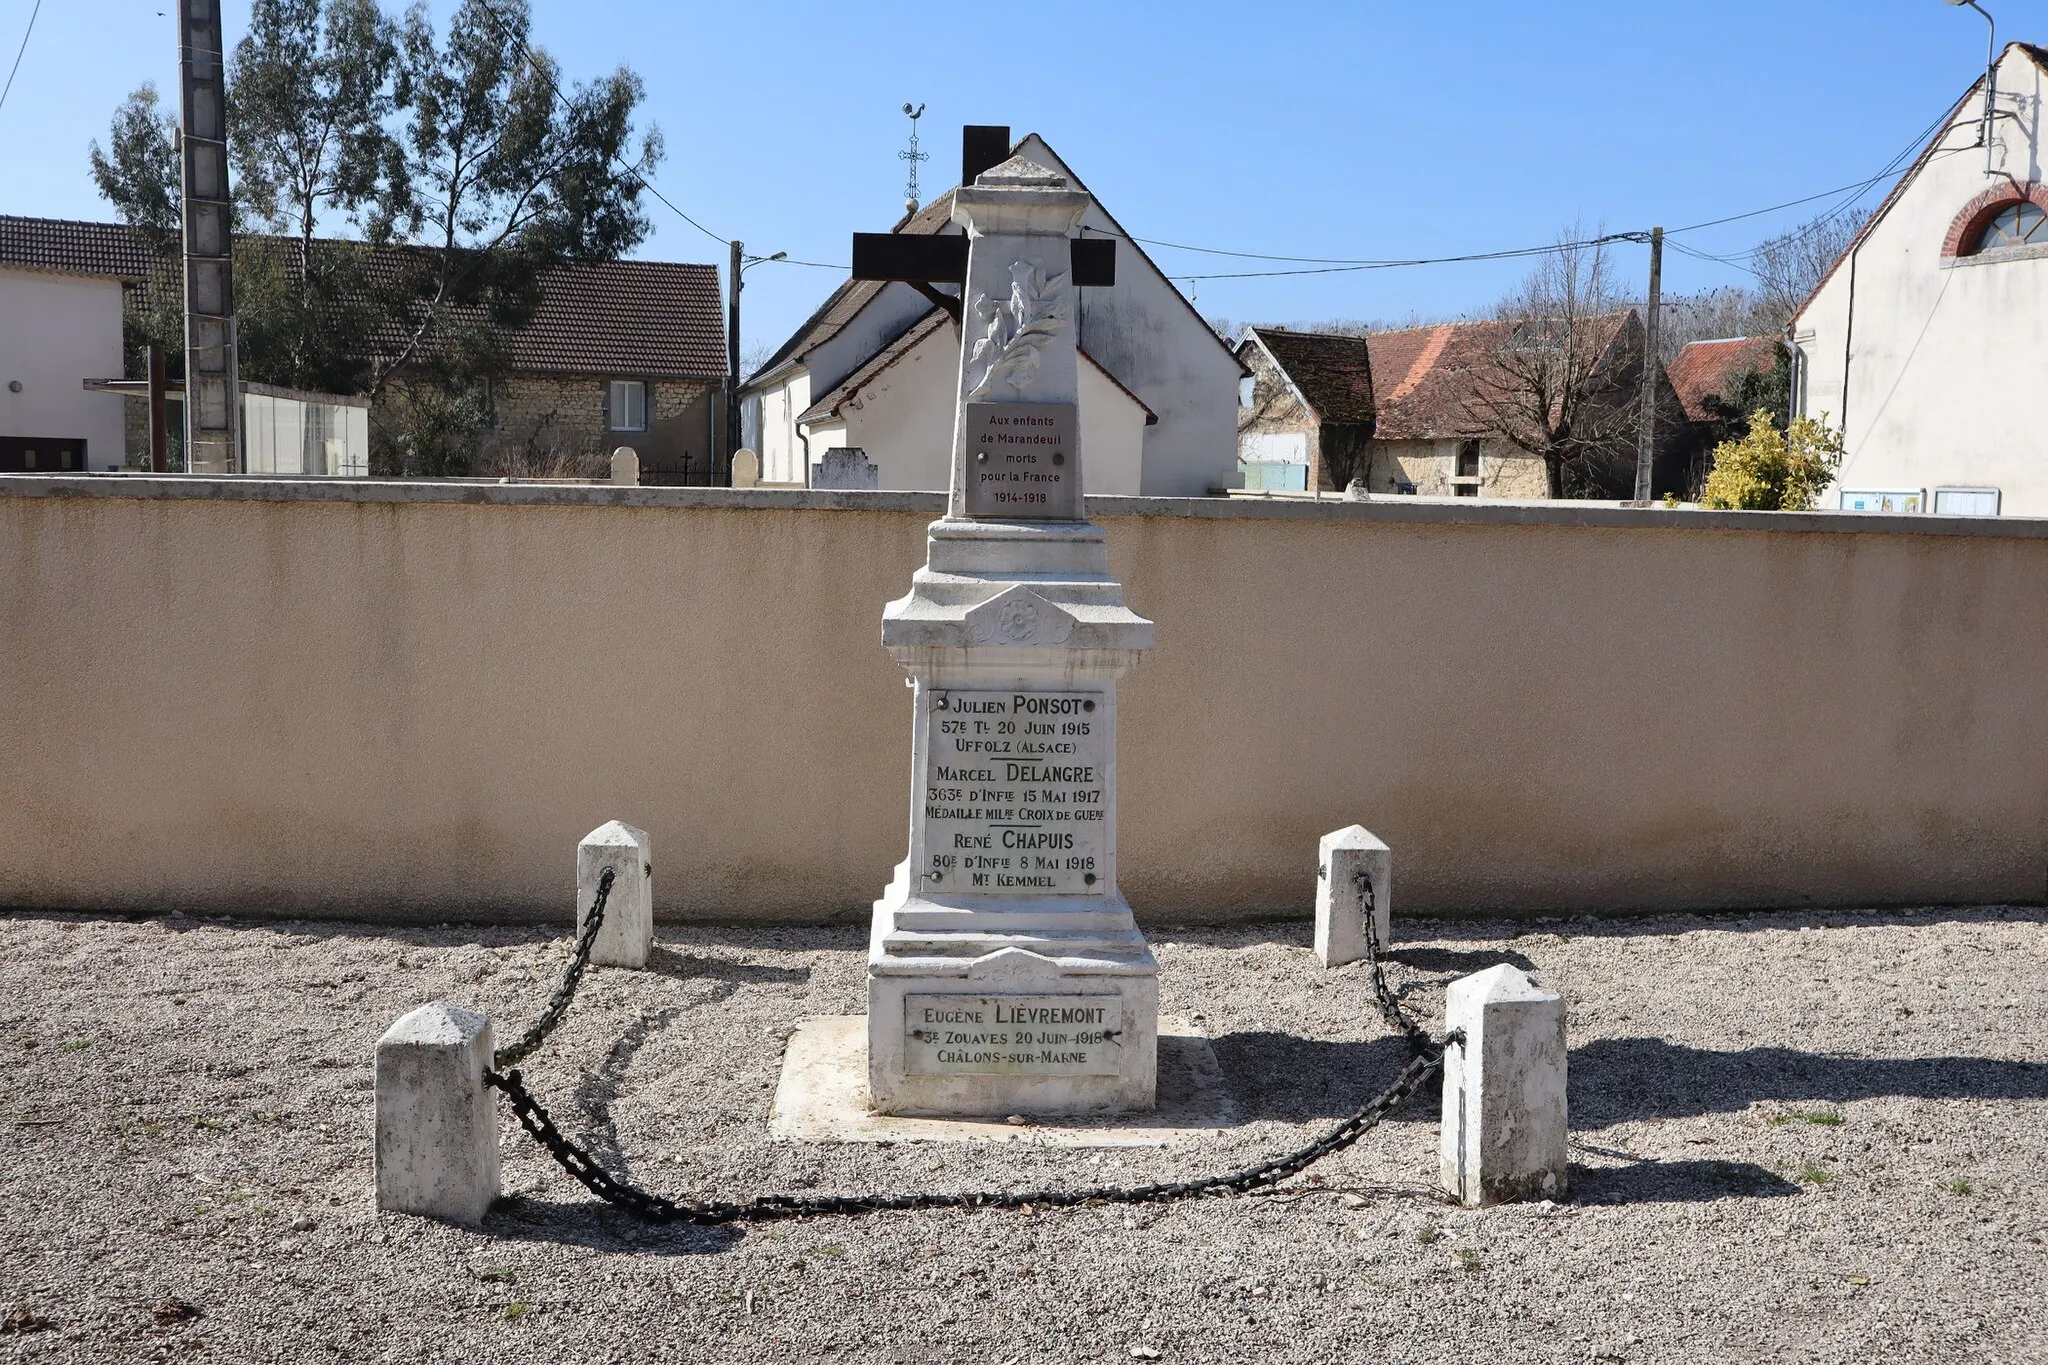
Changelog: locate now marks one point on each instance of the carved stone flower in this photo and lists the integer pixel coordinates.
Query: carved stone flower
(1018, 622)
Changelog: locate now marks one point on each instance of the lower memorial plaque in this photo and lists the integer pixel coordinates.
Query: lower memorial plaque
(1013, 1035)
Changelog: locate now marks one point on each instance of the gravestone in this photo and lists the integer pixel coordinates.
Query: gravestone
(746, 468)
(1006, 974)
(845, 467)
(626, 465)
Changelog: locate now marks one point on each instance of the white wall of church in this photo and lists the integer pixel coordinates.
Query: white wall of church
(1943, 358)
(781, 450)
(903, 419)
(56, 332)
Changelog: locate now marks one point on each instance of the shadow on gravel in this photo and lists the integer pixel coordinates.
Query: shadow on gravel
(1614, 1080)
(666, 961)
(1292, 1079)
(602, 1228)
(596, 1091)
(1456, 962)
(1676, 1182)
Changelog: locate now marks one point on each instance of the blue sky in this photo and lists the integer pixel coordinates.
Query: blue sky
(1360, 130)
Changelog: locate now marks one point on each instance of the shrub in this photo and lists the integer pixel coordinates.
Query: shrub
(1769, 470)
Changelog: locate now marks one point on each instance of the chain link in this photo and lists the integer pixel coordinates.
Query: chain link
(558, 1003)
(1427, 1060)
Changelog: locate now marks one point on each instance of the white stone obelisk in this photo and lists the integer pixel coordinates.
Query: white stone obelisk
(1005, 972)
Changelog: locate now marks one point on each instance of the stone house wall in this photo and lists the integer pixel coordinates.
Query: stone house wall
(549, 417)
(1505, 471)
(1276, 411)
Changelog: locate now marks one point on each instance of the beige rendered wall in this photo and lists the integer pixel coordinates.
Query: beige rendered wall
(410, 701)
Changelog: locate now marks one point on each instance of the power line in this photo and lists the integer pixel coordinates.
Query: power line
(18, 51)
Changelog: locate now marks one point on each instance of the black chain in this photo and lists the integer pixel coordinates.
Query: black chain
(653, 1208)
(1390, 1005)
(558, 1003)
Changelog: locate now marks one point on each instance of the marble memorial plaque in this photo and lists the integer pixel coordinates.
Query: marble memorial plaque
(1013, 792)
(1020, 461)
(1012, 1035)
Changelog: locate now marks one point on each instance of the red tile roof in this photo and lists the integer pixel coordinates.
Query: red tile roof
(639, 319)
(1702, 369)
(1333, 374)
(1432, 382)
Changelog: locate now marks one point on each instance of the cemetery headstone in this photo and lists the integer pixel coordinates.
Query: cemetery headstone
(625, 465)
(746, 468)
(845, 467)
(1006, 974)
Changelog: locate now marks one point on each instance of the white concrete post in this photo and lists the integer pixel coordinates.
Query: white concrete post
(1504, 1093)
(1340, 904)
(628, 931)
(437, 1129)
(626, 465)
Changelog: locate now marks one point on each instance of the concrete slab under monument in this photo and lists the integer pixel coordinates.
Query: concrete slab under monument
(822, 1096)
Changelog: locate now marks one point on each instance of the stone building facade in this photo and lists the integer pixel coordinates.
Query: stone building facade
(552, 420)
(1424, 399)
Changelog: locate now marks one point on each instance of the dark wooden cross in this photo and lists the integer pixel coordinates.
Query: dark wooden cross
(922, 261)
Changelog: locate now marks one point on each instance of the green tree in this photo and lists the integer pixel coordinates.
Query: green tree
(310, 86)
(502, 175)
(464, 166)
(1769, 470)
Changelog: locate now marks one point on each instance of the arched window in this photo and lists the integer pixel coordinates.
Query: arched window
(2015, 225)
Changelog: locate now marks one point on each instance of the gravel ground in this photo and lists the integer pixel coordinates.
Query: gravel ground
(1813, 1137)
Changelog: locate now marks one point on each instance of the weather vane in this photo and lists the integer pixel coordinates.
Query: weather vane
(913, 156)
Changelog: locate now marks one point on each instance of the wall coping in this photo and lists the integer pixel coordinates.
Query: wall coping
(1408, 511)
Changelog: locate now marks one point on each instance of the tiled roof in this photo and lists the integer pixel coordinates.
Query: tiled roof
(829, 405)
(1432, 382)
(1703, 368)
(658, 319)
(639, 319)
(1333, 374)
(75, 248)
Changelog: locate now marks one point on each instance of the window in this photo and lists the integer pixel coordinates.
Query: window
(1465, 479)
(1966, 502)
(2016, 225)
(628, 406)
(1247, 391)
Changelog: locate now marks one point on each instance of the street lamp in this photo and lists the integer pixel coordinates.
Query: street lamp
(736, 268)
(1990, 78)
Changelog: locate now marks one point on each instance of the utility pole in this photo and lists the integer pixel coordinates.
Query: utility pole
(732, 364)
(1646, 438)
(159, 461)
(212, 395)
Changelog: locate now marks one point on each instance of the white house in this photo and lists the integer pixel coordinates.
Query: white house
(1927, 341)
(876, 367)
(60, 325)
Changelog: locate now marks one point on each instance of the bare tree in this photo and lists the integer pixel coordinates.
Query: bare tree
(1789, 267)
(1554, 388)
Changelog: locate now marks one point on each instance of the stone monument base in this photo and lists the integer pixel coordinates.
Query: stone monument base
(823, 1097)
